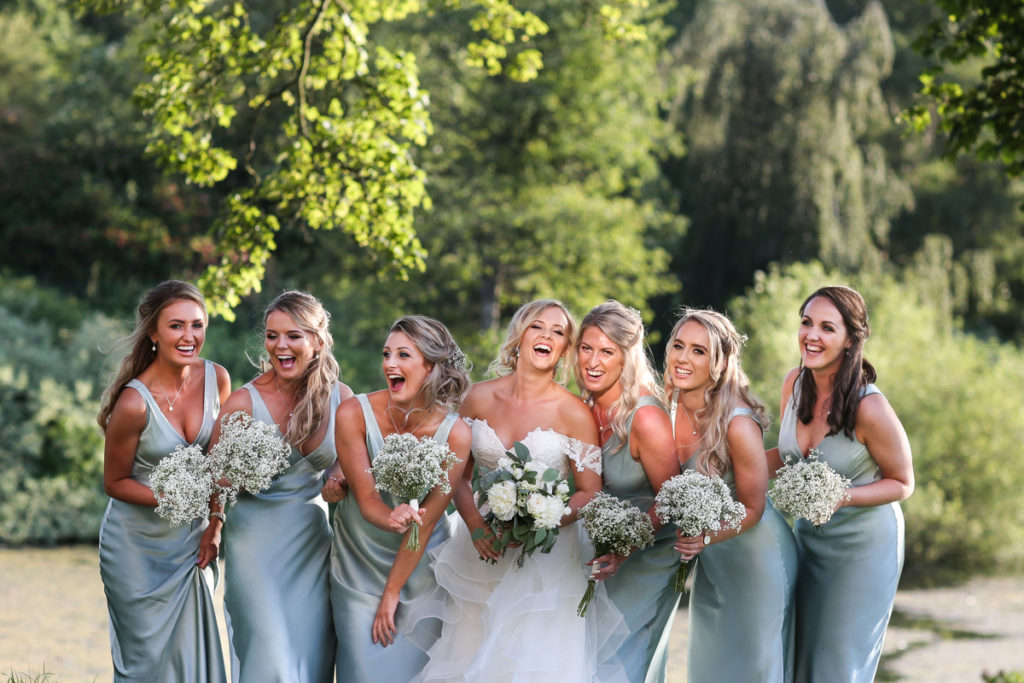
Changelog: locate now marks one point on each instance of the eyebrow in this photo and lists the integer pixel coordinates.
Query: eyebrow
(179, 320)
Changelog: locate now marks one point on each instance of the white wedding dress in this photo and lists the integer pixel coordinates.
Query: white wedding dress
(501, 623)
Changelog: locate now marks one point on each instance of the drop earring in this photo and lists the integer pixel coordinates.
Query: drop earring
(154, 346)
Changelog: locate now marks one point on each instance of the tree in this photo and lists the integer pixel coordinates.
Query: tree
(983, 116)
(299, 116)
(783, 116)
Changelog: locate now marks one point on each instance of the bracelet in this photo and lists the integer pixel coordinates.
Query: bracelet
(219, 515)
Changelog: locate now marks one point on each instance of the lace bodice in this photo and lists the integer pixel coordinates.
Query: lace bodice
(547, 446)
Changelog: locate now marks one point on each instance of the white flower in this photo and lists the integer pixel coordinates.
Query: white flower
(502, 499)
(809, 488)
(182, 484)
(249, 454)
(504, 463)
(547, 511)
(562, 489)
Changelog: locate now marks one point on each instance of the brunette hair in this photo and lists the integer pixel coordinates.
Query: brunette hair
(448, 382)
(141, 348)
(729, 387)
(624, 327)
(314, 386)
(855, 372)
(508, 353)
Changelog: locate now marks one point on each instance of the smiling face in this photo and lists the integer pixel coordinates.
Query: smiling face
(180, 331)
(822, 337)
(689, 357)
(545, 340)
(601, 361)
(289, 346)
(405, 368)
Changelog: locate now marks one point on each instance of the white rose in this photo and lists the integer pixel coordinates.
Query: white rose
(502, 499)
(504, 463)
(563, 488)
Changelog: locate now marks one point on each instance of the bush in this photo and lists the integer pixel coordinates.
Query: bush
(958, 397)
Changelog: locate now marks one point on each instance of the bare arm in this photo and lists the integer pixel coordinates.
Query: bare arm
(880, 430)
(655, 447)
(124, 428)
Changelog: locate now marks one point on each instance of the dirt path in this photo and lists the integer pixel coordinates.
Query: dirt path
(53, 615)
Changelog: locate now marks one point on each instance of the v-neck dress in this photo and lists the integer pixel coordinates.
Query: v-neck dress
(277, 546)
(163, 624)
(361, 559)
(643, 587)
(849, 567)
(741, 601)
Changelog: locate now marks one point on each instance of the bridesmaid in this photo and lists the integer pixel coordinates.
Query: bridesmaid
(741, 620)
(638, 455)
(849, 566)
(277, 595)
(159, 579)
(373, 576)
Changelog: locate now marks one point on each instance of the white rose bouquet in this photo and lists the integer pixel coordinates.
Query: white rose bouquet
(615, 526)
(697, 504)
(248, 455)
(183, 484)
(526, 503)
(408, 468)
(809, 488)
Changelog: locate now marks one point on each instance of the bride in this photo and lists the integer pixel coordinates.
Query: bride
(499, 622)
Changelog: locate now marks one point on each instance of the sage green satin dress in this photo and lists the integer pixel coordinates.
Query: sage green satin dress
(849, 568)
(277, 552)
(361, 559)
(163, 624)
(642, 587)
(741, 601)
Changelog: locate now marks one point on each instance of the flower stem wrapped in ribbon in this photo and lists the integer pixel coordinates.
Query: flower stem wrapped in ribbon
(409, 468)
(809, 488)
(247, 456)
(615, 526)
(697, 504)
(526, 503)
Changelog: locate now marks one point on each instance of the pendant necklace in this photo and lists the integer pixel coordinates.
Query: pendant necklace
(170, 402)
(283, 399)
(602, 426)
(395, 424)
(693, 423)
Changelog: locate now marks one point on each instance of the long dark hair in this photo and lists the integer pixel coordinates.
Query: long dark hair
(855, 372)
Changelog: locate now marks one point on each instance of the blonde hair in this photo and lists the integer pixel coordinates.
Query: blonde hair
(141, 348)
(624, 327)
(508, 352)
(729, 387)
(448, 382)
(314, 386)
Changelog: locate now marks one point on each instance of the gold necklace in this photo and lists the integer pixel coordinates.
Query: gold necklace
(170, 402)
(284, 401)
(395, 424)
(693, 423)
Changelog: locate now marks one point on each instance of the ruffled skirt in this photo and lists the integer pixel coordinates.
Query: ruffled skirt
(503, 623)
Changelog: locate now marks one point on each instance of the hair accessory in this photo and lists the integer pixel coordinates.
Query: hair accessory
(457, 360)
(636, 312)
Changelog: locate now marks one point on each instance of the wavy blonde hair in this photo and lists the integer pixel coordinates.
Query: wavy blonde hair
(141, 352)
(729, 388)
(625, 327)
(448, 382)
(314, 386)
(508, 352)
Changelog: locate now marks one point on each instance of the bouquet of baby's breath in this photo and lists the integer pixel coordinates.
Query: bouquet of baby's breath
(809, 488)
(248, 455)
(526, 503)
(408, 468)
(615, 526)
(182, 485)
(697, 504)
